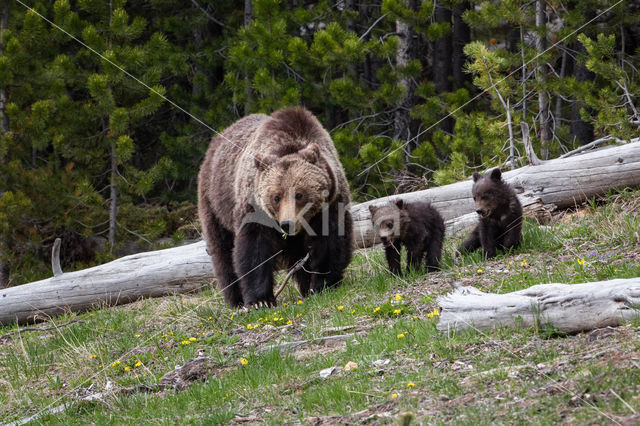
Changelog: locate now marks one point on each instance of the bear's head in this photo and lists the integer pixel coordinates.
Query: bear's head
(387, 221)
(488, 193)
(294, 188)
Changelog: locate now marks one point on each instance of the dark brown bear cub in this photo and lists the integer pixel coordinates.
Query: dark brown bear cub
(500, 215)
(417, 226)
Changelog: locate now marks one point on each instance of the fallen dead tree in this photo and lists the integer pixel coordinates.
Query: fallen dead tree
(151, 274)
(554, 184)
(568, 308)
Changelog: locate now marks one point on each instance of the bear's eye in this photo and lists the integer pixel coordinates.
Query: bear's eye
(484, 197)
(276, 198)
(474, 198)
(389, 225)
(298, 196)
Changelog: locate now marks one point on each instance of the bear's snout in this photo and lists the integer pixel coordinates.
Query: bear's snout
(288, 226)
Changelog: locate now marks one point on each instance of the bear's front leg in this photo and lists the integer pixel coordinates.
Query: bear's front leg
(488, 239)
(392, 253)
(434, 253)
(472, 242)
(415, 253)
(253, 259)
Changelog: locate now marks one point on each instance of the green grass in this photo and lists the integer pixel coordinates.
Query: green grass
(507, 375)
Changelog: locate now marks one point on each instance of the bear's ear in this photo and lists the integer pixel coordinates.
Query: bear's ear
(310, 153)
(476, 176)
(399, 203)
(372, 209)
(263, 162)
(496, 175)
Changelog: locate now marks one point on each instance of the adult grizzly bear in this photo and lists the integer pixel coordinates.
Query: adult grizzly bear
(418, 226)
(500, 214)
(270, 190)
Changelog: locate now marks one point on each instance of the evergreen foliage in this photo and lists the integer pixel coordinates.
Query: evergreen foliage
(414, 93)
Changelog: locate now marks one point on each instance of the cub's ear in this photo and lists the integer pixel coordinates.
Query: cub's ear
(399, 203)
(476, 176)
(263, 162)
(372, 209)
(496, 174)
(310, 153)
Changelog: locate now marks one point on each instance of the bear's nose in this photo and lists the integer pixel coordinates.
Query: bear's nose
(383, 239)
(479, 211)
(288, 226)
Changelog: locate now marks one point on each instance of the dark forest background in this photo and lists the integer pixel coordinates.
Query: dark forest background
(414, 93)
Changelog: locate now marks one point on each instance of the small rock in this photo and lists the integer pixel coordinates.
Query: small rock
(350, 366)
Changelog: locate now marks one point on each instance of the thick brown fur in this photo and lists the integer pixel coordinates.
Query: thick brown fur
(417, 226)
(500, 214)
(264, 188)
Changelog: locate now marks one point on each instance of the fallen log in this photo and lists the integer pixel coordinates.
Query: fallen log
(568, 308)
(555, 184)
(150, 274)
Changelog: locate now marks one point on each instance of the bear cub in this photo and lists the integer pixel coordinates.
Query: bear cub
(500, 215)
(418, 226)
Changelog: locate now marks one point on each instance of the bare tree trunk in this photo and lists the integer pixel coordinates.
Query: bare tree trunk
(543, 101)
(442, 60)
(461, 37)
(569, 308)
(4, 127)
(580, 130)
(563, 71)
(401, 119)
(248, 93)
(113, 208)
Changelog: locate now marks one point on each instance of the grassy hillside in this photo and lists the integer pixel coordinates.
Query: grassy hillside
(400, 367)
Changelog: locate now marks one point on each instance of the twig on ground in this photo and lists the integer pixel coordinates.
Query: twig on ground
(296, 267)
(22, 330)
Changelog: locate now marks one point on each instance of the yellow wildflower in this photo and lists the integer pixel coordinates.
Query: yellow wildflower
(376, 309)
(394, 395)
(232, 315)
(353, 311)
(244, 361)
(340, 307)
(93, 356)
(114, 363)
(299, 302)
(289, 322)
(285, 304)
(400, 336)
(397, 311)
(298, 315)
(524, 262)
(398, 296)
(411, 384)
(127, 368)
(580, 261)
(185, 342)
(249, 326)
(430, 315)
(137, 364)
(193, 339)
(138, 335)
(479, 271)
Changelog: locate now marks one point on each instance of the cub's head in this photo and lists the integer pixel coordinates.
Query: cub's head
(293, 188)
(386, 221)
(488, 192)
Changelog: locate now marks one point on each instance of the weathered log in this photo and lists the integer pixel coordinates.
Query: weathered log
(151, 274)
(555, 184)
(568, 308)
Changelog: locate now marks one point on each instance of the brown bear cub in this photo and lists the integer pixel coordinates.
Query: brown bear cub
(270, 190)
(500, 215)
(417, 226)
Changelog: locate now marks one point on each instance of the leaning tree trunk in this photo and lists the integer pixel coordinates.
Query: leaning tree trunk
(568, 308)
(554, 184)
